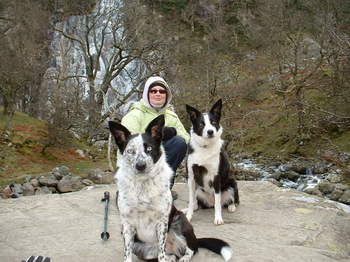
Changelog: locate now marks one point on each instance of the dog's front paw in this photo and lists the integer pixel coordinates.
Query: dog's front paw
(171, 258)
(218, 221)
(231, 208)
(189, 216)
(184, 210)
(195, 206)
(184, 259)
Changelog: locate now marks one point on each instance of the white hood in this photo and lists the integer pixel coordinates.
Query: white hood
(149, 82)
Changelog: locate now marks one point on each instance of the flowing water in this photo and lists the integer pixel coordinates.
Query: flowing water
(308, 180)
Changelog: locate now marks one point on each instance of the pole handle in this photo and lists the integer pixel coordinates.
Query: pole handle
(106, 196)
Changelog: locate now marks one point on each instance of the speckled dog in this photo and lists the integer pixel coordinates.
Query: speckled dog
(152, 228)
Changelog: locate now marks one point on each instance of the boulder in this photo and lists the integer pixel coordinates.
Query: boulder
(290, 175)
(313, 191)
(70, 183)
(44, 190)
(100, 177)
(345, 198)
(101, 143)
(248, 175)
(336, 194)
(326, 187)
(50, 181)
(28, 189)
(60, 172)
(34, 182)
(334, 178)
(271, 224)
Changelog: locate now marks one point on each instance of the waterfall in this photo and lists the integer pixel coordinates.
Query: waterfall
(70, 55)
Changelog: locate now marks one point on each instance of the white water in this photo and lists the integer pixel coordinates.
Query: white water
(309, 180)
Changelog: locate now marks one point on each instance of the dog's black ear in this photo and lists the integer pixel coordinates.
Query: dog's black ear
(155, 127)
(120, 133)
(193, 113)
(216, 109)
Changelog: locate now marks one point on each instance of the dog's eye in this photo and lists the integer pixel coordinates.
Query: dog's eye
(130, 151)
(213, 122)
(149, 149)
(201, 124)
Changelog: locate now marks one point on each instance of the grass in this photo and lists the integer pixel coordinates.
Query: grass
(21, 156)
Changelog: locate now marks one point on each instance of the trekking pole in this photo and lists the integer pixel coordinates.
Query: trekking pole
(105, 234)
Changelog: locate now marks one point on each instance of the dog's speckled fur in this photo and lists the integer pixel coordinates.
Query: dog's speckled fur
(152, 228)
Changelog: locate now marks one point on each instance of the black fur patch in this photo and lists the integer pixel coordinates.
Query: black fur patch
(190, 149)
(198, 125)
(214, 120)
(199, 172)
(151, 147)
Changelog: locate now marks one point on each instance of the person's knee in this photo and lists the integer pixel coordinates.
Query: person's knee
(180, 144)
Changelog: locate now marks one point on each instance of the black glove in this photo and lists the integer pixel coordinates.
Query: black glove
(168, 132)
(37, 259)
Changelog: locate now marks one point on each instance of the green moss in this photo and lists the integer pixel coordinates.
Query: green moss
(343, 141)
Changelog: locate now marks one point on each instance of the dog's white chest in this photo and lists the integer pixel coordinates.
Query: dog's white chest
(143, 206)
(206, 157)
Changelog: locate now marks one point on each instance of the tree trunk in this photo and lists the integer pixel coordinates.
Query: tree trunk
(300, 111)
(92, 108)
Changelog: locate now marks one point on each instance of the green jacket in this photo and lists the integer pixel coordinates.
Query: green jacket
(140, 115)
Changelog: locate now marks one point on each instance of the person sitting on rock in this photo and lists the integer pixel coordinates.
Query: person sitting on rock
(8, 192)
(156, 101)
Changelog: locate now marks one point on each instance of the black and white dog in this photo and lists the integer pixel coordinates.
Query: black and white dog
(211, 179)
(152, 228)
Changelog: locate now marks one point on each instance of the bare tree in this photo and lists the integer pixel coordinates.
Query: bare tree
(109, 48)
(22, 51)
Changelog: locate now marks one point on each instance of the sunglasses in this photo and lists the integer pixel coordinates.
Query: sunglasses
(160, 91)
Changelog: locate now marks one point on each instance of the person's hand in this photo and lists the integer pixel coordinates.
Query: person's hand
(168, 132)
(37, 259)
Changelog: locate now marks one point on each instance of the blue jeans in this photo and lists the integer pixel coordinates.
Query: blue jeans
(175, 149)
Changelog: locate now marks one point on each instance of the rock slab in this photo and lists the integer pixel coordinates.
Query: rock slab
(271, 224)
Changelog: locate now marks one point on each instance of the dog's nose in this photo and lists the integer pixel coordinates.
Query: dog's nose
(140, 166)
(210, 132)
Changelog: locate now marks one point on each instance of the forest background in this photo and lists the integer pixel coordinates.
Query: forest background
(282, 68)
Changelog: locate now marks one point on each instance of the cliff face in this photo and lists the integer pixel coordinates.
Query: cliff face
(271, 224)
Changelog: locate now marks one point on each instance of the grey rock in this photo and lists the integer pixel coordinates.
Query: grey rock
(48, 181)
(70, 184)
(345, 198)
(313, 191)
(290, 175)
(270, 221)
(326, 187)
(274, 181)
(334, 178)
(342, 187)
(28, 189)
(276, 175)
(44, 190)
(100, 177)
(297, 167)
(87, 182)
(60, 172)
(336, 194)
(101, 144)
(34, 182)
(320, 168)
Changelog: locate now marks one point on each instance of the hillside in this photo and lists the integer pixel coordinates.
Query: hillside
(284, 83)
(282, 69)
(30, 150)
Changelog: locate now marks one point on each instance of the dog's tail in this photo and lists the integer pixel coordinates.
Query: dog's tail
(217, 246)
